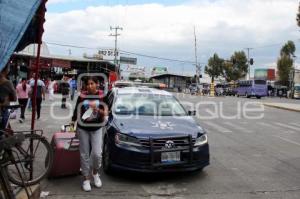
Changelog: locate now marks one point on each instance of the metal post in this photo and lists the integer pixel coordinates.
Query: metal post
(248, 61)
(116, 45)
(41, 15)
(198, 68)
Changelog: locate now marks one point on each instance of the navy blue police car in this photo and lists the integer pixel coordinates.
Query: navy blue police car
(148, 130)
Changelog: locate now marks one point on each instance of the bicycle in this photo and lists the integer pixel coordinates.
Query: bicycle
(33, 157)
(6, 190)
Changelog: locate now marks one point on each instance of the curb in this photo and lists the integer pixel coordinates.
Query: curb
(281, 107)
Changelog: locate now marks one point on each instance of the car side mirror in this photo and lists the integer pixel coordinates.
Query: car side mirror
(192, 112)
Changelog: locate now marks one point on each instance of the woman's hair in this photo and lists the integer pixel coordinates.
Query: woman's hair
(24, 86)
(92, 78)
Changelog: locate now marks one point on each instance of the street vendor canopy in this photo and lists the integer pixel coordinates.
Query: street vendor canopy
(18, 26)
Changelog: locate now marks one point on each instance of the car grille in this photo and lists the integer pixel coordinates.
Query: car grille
(159, 143)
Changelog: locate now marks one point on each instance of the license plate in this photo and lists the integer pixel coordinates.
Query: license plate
(169, 157)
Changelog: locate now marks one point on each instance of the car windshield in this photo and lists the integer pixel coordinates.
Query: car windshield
(297, 88)
(148, 104)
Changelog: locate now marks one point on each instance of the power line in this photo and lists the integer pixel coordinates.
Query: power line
(69, 45)
(124, 52)
(76, 46)
(272, 45)
(155, 57)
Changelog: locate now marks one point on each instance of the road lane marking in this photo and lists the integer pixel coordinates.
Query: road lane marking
(266, 124)
(239, 128)
(287, 140)
(287, 126)
(295, 124)
(275, 127)
(217, 127)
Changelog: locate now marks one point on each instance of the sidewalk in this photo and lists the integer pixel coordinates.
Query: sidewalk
(285, 106)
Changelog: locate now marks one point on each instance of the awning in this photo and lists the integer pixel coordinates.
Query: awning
(18, 26)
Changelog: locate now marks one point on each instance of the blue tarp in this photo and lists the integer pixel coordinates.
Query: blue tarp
(16, 22)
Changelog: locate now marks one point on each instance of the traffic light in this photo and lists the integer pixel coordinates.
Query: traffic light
(251, 61)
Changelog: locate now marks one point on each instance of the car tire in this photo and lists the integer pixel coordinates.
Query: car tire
(106, 158)
(258, 97)
(248, 96)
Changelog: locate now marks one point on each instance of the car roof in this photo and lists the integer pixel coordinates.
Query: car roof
(141, 90)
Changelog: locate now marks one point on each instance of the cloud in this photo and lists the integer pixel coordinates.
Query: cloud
(58, 1)
(222, 26)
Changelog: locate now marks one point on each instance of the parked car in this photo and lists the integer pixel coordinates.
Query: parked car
(148, 130)
(194, 88)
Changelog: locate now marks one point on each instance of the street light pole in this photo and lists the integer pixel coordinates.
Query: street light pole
(198, 68)
(248, 60)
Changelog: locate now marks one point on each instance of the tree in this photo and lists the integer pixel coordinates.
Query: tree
(284, 66)
(285, 62)
(237, 66)
(215, 67)
(298, 15)
(288, 49)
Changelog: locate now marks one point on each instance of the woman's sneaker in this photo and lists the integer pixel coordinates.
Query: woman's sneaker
(97, 181)
(86, 185)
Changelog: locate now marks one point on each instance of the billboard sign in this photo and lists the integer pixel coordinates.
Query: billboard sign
(265, 74)
(159, 70)
(128, 60)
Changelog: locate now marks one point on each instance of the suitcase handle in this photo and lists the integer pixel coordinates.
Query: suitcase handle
(71, 127)
(73, 145)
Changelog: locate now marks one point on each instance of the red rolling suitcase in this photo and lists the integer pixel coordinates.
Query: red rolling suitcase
(66, 154)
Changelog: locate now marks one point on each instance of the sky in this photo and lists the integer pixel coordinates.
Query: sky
(166, 29)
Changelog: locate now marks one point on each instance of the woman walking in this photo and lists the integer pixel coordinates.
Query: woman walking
(51, 89)
(23, 90)
(90, 113)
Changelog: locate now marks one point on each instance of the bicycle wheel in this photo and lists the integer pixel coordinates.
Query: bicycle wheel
(34, 163)
(6, 191)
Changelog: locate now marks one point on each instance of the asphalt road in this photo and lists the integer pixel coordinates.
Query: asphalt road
(257, 157)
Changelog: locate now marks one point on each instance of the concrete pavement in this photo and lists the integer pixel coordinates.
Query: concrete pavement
(250, 158)
(285, 106)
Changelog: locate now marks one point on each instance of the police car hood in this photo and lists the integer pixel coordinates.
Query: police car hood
(149, 126)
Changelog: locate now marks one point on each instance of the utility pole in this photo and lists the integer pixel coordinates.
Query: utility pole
(198, 68)
(70, 52)
(116, 41)
(248, 60)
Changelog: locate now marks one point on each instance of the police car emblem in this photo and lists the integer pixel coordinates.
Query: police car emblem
(169, 144)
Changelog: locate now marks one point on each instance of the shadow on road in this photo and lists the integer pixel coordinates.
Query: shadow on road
(134, 177)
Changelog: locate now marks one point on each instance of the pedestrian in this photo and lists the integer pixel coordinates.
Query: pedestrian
(31, 81)
(89, 113)
(40, 95)
(23, 90)
(51, 89)
(280, 93)
(73, 86)
(64, 87)
(7, 94)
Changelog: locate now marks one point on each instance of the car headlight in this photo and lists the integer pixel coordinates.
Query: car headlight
(201, 140)
(127, 140)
